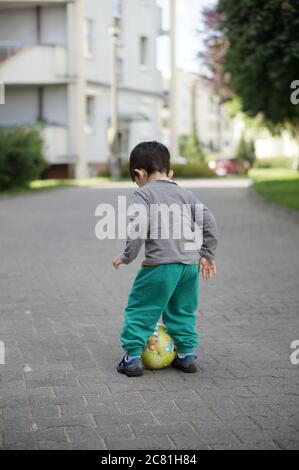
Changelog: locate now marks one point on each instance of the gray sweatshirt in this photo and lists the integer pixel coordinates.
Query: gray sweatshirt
(168, 234)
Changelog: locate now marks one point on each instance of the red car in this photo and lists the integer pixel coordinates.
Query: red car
(228, 166)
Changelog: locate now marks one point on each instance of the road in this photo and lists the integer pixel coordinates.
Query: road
(61, 306)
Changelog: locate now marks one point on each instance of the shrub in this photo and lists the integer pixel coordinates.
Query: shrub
(188, 170)
(125, 171)
(105, 171)
(21, 157)
(275, 162)
(192, 170)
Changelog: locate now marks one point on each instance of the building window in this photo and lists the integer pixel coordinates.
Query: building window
(88, 37)
(143, 50)
(90, 113)
(118, 8)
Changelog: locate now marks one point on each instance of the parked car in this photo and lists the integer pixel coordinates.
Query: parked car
(228, 166)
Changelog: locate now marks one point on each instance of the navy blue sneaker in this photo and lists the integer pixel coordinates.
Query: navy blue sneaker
(186, 364)
(132, 367)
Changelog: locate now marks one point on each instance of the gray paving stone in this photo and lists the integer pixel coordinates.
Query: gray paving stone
(264, 445)
(49, 411)
(184, 429)
(80, 421)
(204, 438)
(17, 412)
(72, 400)
(76, 435)
(140, 417)
(107, 408)
(287, 444)
(21, 424)
(148, 443)
(12, 437)
(92, 444)
(53, 445)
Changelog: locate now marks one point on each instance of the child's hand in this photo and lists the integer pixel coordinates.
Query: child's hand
(116, 262)
(207, 268)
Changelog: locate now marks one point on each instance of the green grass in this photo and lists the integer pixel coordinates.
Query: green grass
(40, 185)
(54, 183)
(277, 185)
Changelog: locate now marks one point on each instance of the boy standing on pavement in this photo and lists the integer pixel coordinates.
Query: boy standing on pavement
(167, 282)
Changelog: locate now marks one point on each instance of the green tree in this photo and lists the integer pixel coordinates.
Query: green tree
(252, 49)
(246, 151)
(262, 59)
(191, 148)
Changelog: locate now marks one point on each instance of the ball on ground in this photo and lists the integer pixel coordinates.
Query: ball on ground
(160, 349)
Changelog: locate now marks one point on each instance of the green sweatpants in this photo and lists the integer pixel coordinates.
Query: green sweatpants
(170, 290)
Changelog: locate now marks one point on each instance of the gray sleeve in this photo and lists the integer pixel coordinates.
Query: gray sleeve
(133, 245)
(210, 235)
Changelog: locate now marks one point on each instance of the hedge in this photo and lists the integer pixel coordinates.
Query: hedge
(275, 162)
(21, 157)
(188, 170)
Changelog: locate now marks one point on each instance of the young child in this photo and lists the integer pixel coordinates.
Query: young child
(167, 282)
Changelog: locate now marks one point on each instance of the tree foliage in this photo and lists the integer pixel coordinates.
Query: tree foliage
(261, 56)
(191, 148)
(213, 54)
(246, 151)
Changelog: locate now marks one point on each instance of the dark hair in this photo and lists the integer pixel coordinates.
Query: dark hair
(151, 156)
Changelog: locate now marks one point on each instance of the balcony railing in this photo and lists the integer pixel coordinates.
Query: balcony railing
(22, 63)
(8, 49)
(12, 3)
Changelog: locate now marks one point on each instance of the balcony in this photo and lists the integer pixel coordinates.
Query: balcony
(20, 3)
(56, 144)
(22, 64)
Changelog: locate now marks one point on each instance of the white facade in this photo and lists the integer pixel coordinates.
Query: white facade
(268, 146)
(215, 128)
(55, 62)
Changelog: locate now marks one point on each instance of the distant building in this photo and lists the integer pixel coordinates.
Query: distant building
(218, 132)
(214, 127)
(55, 62)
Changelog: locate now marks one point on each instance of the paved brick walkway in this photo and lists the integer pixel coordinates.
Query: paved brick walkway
(60, 314)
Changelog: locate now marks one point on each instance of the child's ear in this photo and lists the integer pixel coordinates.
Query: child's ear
(138, 173)
(170, 174)
(142, 174)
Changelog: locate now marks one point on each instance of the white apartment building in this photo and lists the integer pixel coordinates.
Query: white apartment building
(215, 129)
(218, 131)
(55, 62)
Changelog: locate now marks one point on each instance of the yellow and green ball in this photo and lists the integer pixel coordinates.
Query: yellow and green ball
(160, 349)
